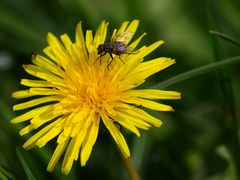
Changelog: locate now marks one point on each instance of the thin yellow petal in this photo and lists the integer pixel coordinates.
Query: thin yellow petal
(134, 61)
(153, 94)
(33, 92)
(36, 83)
(22, 94)
(39, 120)
(136, 42)
(80, 40)
(56, 155)
(136, 121)
(139, 74)
(138, 113)
(43, 91)
(124, 121)
(64, 135)
(62, 57)
(117, 135)
(30, 114)
(43, 74)
(67, 42)
(46, 64)
(78, 121)
(45, 117)
(35, 102)
(153, 66)
(53, 41)
(133, 26)
(89, 41)
(148, 104)
(100, 34)
(123, 27)
(26, 129)
(89, 140)
(151, 48)
(32, 140)
(72, 151)
(50, 135)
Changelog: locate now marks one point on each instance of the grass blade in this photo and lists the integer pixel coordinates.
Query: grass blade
(27, 170)
(4, 174)
(226, 37)
(196, 72)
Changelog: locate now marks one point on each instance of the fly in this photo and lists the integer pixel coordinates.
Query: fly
(116, 45)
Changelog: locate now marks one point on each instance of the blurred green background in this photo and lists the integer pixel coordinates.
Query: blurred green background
(196, 142)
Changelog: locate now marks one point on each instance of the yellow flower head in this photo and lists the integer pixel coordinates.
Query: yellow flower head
(77, 89)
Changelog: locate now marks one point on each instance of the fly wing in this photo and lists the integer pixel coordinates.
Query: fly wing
(123, 37)
(131, 51)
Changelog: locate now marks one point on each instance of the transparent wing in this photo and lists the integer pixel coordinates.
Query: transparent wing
(131, 51)
(123, 37)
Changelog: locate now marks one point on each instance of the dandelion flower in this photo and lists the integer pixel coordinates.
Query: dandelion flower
(75, 91)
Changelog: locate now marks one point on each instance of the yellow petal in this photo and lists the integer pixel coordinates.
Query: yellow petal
(80, 40)
(100, 34)
(114, 33)
(148, 104)
(117, 135)
(89, 140)
(123, 27)
(135, 43)
(135, 60)
(72, 151)
(150, 48)
(139, 74)
(56, 155)
(53, 41)
(153, 66)
(153, 94)
(30, 114)
(32, 140)
(33, 92)
(34, 102)
(133, 26)
(67, 42)
(78, 121)
(43, 91)
(138, 113)
(35, 83)
(22, 94)
(136, 121)
(89, 41)
(43, 74)
(64, 135)
(46, 64)
(124, 121)
(50, 135)
(45, 117)
(63, 57)
(26, 130)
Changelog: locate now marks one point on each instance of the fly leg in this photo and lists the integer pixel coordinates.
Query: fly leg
(110, 61)
(121, 59)
(100, 57)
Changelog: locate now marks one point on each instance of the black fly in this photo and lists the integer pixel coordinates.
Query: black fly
(116, 45)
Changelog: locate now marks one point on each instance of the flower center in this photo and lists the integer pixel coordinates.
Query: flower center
(95, 97)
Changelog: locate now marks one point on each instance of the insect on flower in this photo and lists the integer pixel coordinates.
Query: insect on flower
(70, 98)
(116, 45)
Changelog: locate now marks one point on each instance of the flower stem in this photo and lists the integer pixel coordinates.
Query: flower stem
(130, 167)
